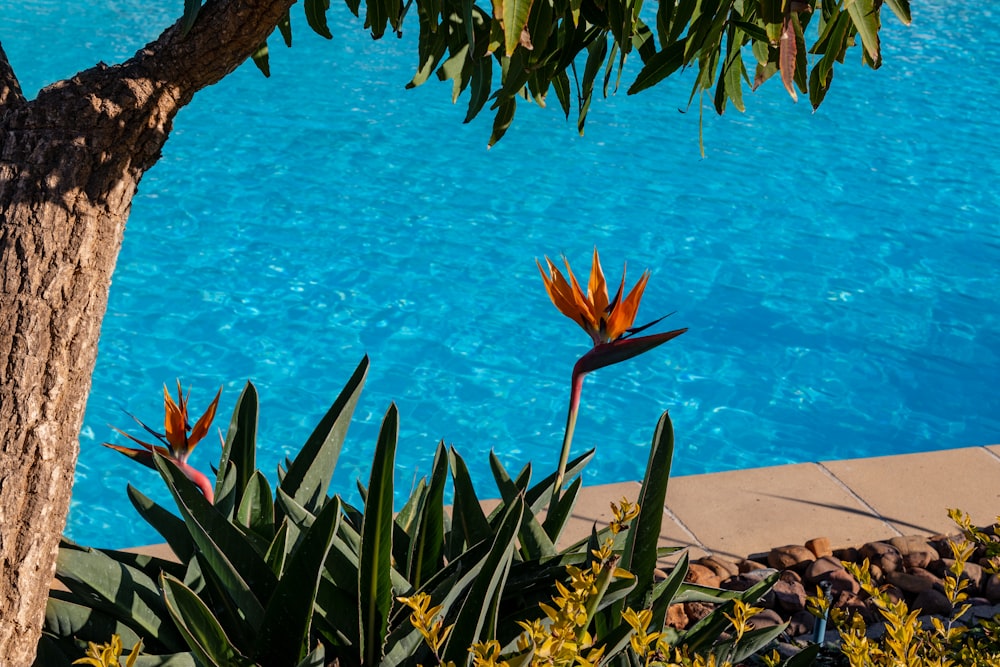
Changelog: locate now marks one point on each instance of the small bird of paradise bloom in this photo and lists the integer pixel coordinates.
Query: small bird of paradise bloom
(178, 440)
(608, 322)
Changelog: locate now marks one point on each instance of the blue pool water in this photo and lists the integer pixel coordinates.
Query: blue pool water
(839, 270)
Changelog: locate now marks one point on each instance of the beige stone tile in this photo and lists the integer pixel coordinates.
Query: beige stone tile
(743, 512)
(157, 550)
(914, 491)
(995, 449)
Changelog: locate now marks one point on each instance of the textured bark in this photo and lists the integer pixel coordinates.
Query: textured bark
(70, 163)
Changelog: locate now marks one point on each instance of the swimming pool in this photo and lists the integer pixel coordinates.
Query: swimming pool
(839, 271)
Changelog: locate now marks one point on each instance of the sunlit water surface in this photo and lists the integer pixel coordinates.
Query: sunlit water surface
(839, 270)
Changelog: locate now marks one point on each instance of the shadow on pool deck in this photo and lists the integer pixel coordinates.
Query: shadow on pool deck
(744, 512)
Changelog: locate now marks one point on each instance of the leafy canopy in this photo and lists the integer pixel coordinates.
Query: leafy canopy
(571, 46)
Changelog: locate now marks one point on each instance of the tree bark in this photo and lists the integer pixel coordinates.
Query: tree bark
(70, 163)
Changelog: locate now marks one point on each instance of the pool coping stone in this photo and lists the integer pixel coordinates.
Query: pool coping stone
(743, 512)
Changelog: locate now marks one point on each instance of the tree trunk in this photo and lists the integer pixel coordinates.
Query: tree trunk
(70, 163)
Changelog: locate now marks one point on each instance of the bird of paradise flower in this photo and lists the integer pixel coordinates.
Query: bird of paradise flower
(608, 322)
(178, 440)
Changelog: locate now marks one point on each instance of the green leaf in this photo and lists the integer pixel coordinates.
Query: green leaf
(284, 633)
(241, 444)
(901, 8)
(309, 474)
(804, 658)
(151, 566)
(703, 633)
(171, 528)
(117, 589)
(431, 47)
(458, 68)
(353, 5)
(734, 74)
(559, 514)
(561, 85)
(277, 553)
(316, 17)
(477, 617)
(256, 510)
(640, 554)
(68, 618)
(315, 659)
(504, 117)
(643, 41)
(259, 57)
(665, 591)
(866, 20)
(482, 81)
(285, 28)
(191, 9)
(535, 543)
(375, 562)
(597, 50)
(752, 643)
(514, 15)
(538, 495)
(659, 67)
(201, 630)
(427, 540)
(469, 524)
(242, 574)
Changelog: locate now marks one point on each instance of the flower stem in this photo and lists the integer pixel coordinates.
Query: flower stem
(574, 408)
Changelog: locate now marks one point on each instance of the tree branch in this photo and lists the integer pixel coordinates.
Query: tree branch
(10, 89)
(222, 38)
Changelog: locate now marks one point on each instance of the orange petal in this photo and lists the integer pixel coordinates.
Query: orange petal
(201, 428)
(623, 314)
(173, 422)
(597, 289)
(560, 292)
(591, 320)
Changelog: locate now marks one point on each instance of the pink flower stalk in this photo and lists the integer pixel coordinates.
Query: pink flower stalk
(608, 322)
(179, 438)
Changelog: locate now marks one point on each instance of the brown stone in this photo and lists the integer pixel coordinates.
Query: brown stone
(821, 567)
(660, 575)
(791, 576)
(893, 593)
(786, 557)
(790, 595)
(991, 589)
(676, 617)
(908, 544)
(919, 559)
(882, 554)
(820, 546)
(723, 568)
(695, 611)
(703, 576)
(842, 580)
(748, 565)
(801, 623)
(850, 554)
(915, 581)
(971, 571)
(766, 619)
(932, 601)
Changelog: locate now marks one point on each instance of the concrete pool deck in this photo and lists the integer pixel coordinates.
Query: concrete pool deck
(743, 512)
